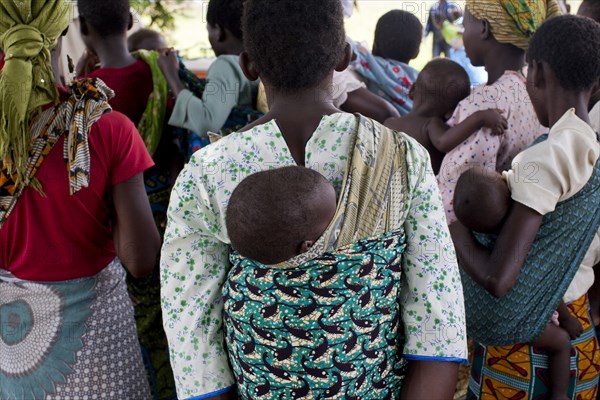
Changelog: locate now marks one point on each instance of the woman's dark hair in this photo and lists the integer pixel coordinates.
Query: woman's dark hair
(107, 18)
(294, 44)
(227, 14)
(398, 36)
(570, 45)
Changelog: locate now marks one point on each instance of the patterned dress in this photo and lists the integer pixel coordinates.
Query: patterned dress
(482, 149)
(195, 256)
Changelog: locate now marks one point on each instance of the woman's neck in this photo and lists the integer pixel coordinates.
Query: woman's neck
(113, 53)
(563, 101)
(298, 115)
(503, 57)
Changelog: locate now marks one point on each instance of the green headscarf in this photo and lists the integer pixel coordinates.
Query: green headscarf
(514, 21)
(29, 30)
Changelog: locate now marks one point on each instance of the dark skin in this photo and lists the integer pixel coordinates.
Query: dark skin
(111, 51)
(497, 270)
(370, 105)
(590, 10)
(222, 42)
(425, 123)
(137, 242)
(594, 295)
(485, 51)
(310, 105)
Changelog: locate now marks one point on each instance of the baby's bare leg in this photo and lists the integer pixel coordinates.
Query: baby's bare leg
(557, 343)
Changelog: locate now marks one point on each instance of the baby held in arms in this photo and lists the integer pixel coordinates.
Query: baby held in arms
(441, 85)
(482, 201)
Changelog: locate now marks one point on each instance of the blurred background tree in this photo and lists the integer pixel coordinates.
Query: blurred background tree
(160, 14)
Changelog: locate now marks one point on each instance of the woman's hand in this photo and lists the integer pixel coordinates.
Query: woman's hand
(169, 65)
(88, 63)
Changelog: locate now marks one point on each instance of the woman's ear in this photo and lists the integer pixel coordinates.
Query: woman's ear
(411, 91)
(345, 58)
(248, 67)
(537, 71)
(130, 23)
(486, 29)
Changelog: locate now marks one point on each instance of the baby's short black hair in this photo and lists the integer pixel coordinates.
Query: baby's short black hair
(107, 18)
(227, 14)
(294, 44)
(398, 36)
(481, 200)
(271, 213)
(570, 45)
(590, 9)
(444, 82)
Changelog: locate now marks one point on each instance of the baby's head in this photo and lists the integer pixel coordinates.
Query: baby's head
(564, 53)
(294, 45)
(146, 39)
(278, 214)
(442, 84)
(481, 200)
(398, 36)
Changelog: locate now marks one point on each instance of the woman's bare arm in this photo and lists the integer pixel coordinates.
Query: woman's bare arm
(497, 270)
(430, 380)
(136, 238)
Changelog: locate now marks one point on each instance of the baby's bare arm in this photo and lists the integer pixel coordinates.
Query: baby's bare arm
(445, 138)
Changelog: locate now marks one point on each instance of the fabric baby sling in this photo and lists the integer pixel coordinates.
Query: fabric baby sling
(327, 325)
(555, 256)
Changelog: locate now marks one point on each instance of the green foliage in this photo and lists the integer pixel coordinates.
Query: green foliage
(159, 14)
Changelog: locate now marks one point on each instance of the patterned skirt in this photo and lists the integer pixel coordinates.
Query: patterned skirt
(72, 339)
(521, 371)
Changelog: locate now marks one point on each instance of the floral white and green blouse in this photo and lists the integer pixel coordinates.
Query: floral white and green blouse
(195, 254)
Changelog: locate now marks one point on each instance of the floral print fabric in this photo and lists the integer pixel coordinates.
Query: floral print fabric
(195, 255)
(482, 149)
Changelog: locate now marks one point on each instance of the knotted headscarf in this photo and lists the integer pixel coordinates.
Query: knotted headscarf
(514, 21)
(29, 30)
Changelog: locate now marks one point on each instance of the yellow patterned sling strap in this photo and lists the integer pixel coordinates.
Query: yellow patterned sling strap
(374, 198)
(514, 21)
(75, 117)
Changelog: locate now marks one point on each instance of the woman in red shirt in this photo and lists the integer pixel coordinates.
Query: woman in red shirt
(72, 204)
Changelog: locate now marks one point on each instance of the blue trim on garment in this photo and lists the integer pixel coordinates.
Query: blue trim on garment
(444, 359)
(212, 394)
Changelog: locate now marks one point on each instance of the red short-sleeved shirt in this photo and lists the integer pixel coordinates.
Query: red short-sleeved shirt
(132, 86)
(60, 237)
(1, 60)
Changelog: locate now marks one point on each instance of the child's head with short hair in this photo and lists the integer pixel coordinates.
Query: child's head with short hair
(482, 200)
(103, 19)
(442, 84)
(563, 53)
(277, 214)
(398, 36)
(224, 24)
(293, 45)
(146, 39)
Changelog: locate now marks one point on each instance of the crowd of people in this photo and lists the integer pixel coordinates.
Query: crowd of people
(313, 219)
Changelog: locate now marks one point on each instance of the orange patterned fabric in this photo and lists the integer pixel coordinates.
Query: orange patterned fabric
(521, 371)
